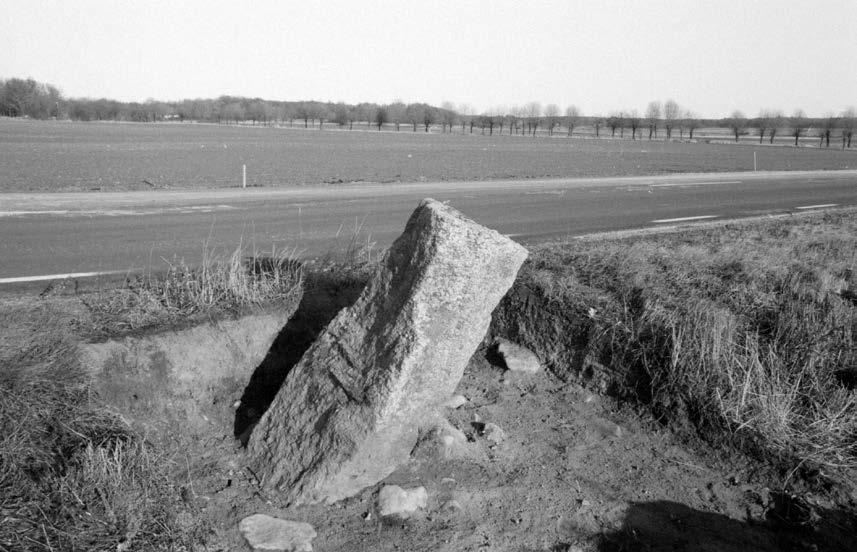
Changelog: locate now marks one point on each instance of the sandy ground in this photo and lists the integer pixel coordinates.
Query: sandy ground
(576, 472)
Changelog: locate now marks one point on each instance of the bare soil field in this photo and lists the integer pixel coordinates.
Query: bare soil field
(68, 156)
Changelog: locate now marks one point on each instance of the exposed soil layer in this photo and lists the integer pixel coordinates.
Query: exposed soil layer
(574, 471)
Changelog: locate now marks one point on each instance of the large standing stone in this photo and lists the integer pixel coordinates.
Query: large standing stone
(350, 410)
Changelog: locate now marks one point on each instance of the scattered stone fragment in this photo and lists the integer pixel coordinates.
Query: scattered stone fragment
(396, 501)
(455, 401)
(451, 441)
(606, 429)
(493, 433)
(266, 533)
(352, 408)
(517, 358)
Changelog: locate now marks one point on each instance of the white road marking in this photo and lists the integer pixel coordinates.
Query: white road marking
(25, 213)
(120, 212)
(44, 277)
(681, 184)
(683, 219)
(818, 206)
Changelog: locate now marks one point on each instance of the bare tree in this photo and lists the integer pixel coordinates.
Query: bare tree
(775, 122)
(500, 117)
(465, 111)
(414, 114)
(448, 115)
(512, 120)
(572, 116)
(737, 123)
(429, 116)
(396, 111)
(849, 121)
(762, 124)
(671, 114)
(634, 123)
(534, 111)
(653, 115)
(551, 115)
(826, 129)
(381, 117)
(798, 124)
(613, 123)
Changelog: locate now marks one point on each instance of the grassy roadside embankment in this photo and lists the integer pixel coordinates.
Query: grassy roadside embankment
(74, 475)
(742, 333)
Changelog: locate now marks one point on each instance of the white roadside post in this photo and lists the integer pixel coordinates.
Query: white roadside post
(754, 161)
(243, 176)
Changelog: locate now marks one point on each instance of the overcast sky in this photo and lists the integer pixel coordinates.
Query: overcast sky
(711, 56)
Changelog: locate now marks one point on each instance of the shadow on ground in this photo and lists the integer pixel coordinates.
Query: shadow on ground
(789, 525)
(325, 295)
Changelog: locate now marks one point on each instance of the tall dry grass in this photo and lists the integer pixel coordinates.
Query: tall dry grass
(74, 476)
(219, 283)
(745, 331)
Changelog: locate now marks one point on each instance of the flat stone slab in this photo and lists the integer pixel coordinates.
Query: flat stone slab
(350, 411)
(269, 534)
(517, 358)
(396, 501)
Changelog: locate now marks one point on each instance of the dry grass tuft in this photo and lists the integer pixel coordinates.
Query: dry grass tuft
(746, 331)
(219, 284)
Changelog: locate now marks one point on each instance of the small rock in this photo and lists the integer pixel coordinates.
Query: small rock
(517, 358)
(444, 441)
(455, 401)
(453, 440)
(493, 433)
(606, 429)
(396, 501)
(266, 533)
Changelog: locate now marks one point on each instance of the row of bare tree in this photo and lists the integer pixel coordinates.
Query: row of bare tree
(28, 98)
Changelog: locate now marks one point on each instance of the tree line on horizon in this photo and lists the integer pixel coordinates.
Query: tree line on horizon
(29, 98)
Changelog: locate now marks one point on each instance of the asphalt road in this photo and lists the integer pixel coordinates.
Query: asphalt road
(50, 234)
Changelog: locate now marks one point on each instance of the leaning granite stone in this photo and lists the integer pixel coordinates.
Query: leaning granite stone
(350, 411)
(270, 534)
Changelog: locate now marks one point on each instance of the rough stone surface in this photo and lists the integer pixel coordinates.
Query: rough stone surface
(517, 358)
(266, 533)
(396, 501)
(350, 411)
